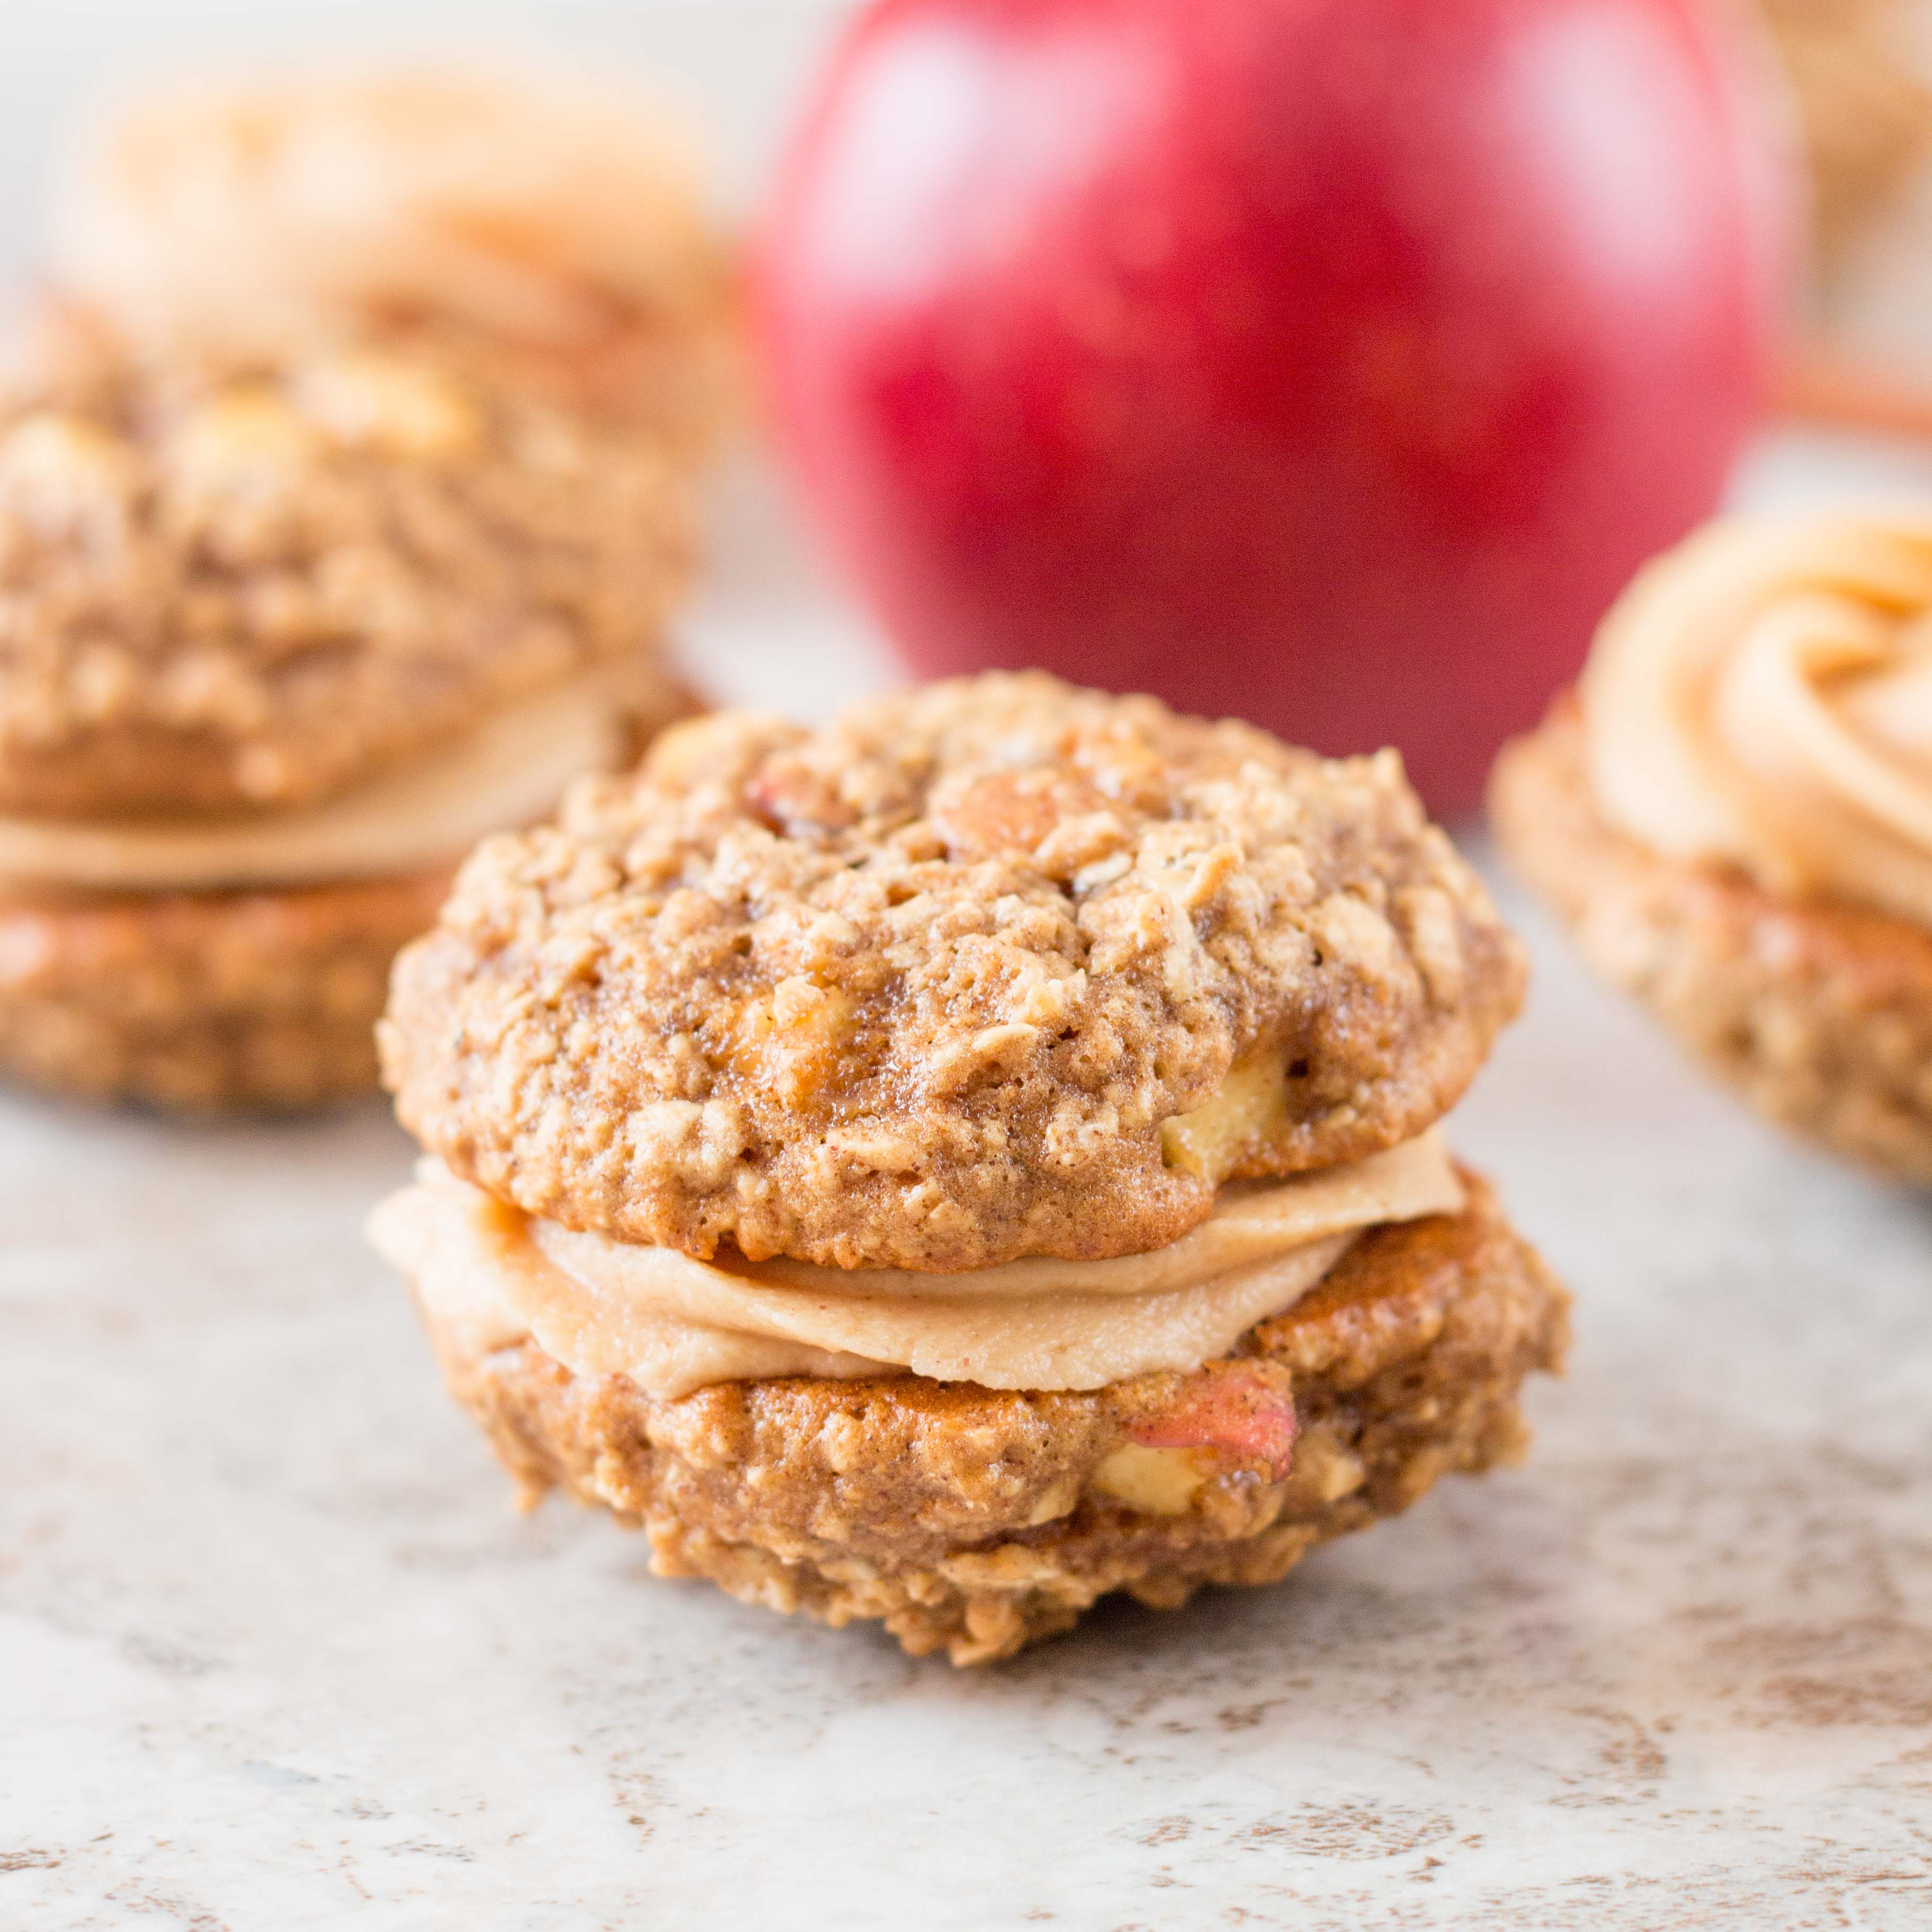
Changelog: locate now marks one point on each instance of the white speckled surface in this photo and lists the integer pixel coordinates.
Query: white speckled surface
(275, 1653)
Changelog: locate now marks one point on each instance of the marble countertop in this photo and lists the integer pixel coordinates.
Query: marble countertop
(275, 1651)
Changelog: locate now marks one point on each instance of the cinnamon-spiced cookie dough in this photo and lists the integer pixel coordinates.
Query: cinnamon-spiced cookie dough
(977, 1157)
(974, 1520)
(274, 651)
(991, 968)
(1734, 817)
(543, 234)
(250, 594)
(198, 1001)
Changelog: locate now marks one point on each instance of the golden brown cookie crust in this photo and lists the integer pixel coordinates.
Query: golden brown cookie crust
(1819, 1013)
(201, 1002)
(252, 594)
(964, 1518)
(920, 988)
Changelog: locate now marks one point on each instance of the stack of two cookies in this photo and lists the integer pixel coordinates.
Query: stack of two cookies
(344, 489)
(970, 1160)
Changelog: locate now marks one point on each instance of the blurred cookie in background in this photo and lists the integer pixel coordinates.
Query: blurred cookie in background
(546, 235)
(1733, 817)
(1863, 102)
(1862, 76)
(276, 649)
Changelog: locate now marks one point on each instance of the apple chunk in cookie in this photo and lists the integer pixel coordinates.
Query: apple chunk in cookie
(275, 651)
(892, 1162)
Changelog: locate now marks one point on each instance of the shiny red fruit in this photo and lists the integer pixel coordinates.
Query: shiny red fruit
(1235, 1411)
(1329, 362)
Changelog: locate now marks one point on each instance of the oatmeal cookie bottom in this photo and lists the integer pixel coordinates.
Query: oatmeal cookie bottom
(205, 1001)
(973, 1520)
(1818, 1012)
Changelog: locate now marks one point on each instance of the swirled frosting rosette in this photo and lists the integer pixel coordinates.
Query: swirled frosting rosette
(550, 228)
(1762, 697)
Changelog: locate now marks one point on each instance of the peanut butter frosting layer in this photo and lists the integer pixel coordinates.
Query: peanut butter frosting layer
(1762, 697)
(976, 1520)
(510, 771)
(544, 231)
(991, 968)
(254, 595)
(672, 1323)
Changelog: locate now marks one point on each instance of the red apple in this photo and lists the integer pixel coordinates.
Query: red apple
(1236, 1412)
(1329, 362)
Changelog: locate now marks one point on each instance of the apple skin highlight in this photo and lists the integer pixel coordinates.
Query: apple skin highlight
(1329, 363)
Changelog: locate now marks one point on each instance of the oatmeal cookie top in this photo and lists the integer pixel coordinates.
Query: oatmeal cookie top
(919, 989)
(223, 595)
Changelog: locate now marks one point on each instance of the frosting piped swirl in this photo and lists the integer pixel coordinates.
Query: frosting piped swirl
(1762, 696)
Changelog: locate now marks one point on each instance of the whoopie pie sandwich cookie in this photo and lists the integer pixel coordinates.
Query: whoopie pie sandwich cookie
(1733, 814)
(275, 650)
(536, 232)
(978, 1156)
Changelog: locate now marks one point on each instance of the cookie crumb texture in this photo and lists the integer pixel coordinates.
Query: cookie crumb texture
(969, 1521)
(1819, 1013)
(920, 989)
(243, 594)
(199, 1002)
